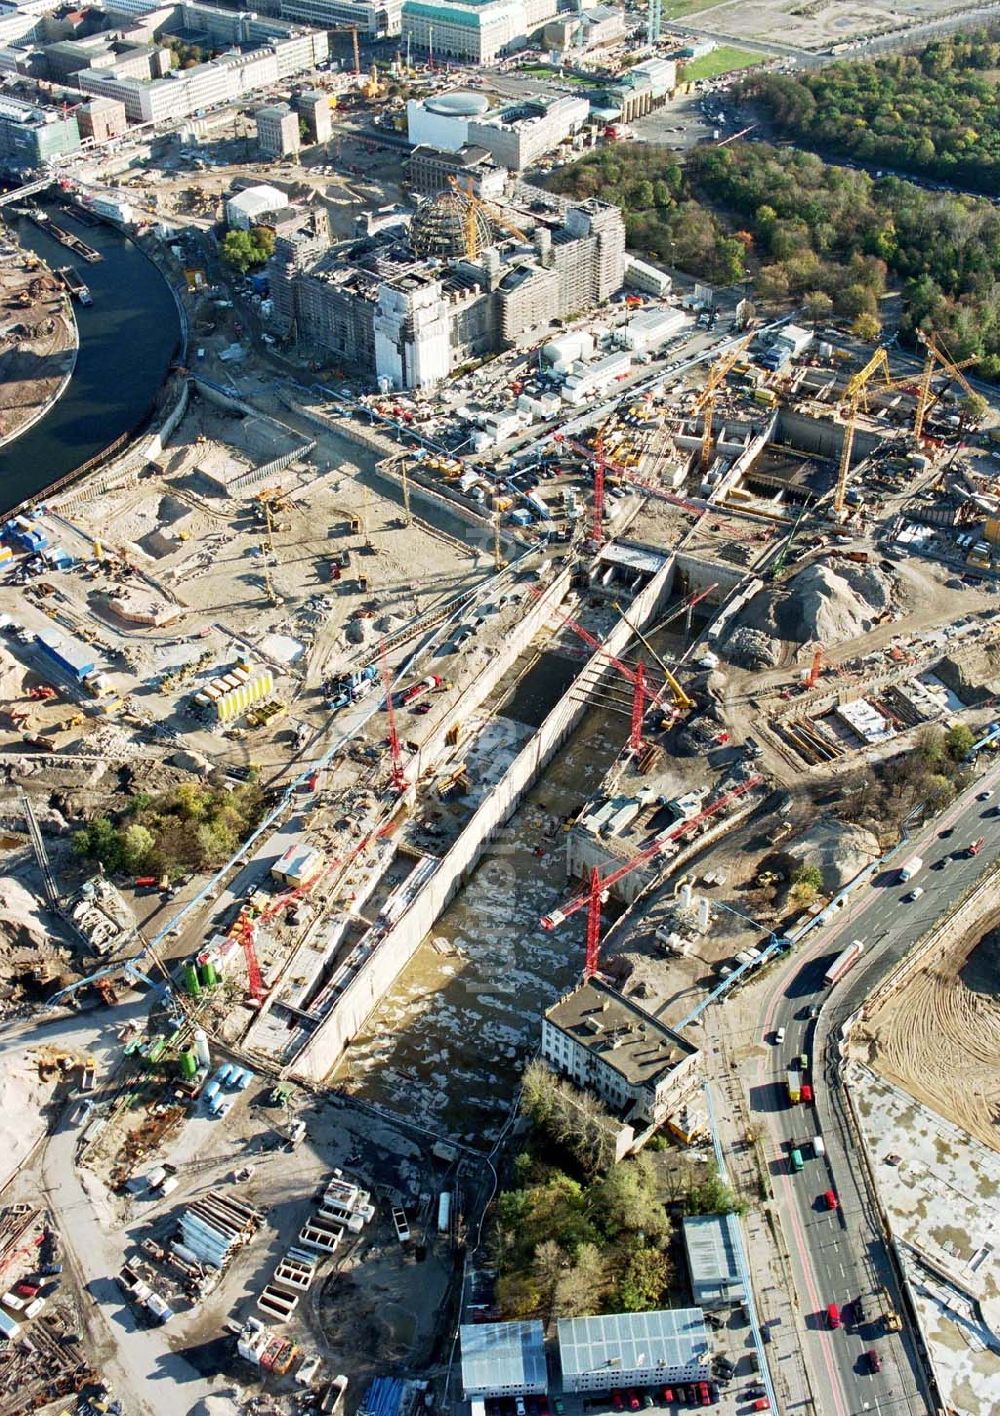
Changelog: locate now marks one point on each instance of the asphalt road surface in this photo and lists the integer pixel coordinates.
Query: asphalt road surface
(839, 1255)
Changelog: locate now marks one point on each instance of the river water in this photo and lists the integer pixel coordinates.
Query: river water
(128, 338)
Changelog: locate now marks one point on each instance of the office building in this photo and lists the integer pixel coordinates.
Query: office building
(711, 1242)
(449, 29)
(515, 136)
(586, 29)
(271, 52)
(411, 306)
(374, 19)
(277, 131)
(101, 119)
(31, 135)
(608, 1045)
(430, 171)
(313, 105)
(633, 1349)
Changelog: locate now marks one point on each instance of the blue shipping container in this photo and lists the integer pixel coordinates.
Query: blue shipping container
(71, 656)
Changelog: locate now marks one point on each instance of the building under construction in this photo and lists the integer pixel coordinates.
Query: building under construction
(464, 280)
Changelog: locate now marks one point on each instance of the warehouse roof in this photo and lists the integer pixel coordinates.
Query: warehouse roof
(503, 1355)
(254, 201)
(631, 1342)
(711, 1244)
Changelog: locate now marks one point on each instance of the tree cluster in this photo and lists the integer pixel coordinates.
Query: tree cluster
(936, 113)
(243, 250)
(566, 1247)
(925, 777)
(192, 827)
(661, 219)
(817, 228)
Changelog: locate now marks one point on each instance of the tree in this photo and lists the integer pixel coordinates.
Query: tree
(866, 327)
(806, 883)
(626, 1200)
(244, 249)
(958, 741)
(713, 1196)
(644, 1275)
(582, 1286)
(137, 846)
(818, 306)
(973, 408)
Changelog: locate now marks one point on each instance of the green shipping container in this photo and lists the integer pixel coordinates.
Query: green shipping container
(191, 980)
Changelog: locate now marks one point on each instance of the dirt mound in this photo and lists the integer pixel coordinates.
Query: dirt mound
(819, 604)
(839, 849)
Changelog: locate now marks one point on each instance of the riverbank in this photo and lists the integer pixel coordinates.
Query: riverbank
(40, 342)
(128, 339)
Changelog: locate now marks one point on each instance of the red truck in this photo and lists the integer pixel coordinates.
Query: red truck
(417, 690)
(976, 846)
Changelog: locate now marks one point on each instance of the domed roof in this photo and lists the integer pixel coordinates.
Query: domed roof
(438, 227)
(458, 104)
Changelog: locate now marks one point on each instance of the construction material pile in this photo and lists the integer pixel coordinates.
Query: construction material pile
(818, 605)
(840, 849)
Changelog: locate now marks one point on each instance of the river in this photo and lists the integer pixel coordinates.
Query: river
(128, 338)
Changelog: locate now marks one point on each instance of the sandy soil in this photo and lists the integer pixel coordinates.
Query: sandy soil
(939, 1036)
(31, 369)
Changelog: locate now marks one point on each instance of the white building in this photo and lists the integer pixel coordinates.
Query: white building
(503, 1359)
(633, 1349)
(607, 1044)
(652, 329)
(456, 30)
(412, 333)
(227, 79)
(373, 18)
(247, 207)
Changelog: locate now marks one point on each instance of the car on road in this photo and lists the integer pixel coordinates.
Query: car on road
(946, 834)
(914, 895)
(632, 1397)
(617, 1400)
(668, 1395)
(761, 1404)
(985, 796)
(874, 1360)
(779, 1037)
(830, 1199)
(833, 1319)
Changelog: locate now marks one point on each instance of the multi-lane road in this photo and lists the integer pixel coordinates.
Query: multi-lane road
(839, 1255)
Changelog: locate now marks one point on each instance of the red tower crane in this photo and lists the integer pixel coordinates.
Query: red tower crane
(592, 897)
(397, 775)
(643, 692)
(815, 666)
(604, 464)
(245, 930)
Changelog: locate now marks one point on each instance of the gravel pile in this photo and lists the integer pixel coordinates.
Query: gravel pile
(752, 648)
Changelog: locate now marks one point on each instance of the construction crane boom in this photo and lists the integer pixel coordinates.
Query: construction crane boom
(41, 854)
(659, 847)
(396, 773)
(854, 395)
(593, 897)
(473, 205)
(705, 402)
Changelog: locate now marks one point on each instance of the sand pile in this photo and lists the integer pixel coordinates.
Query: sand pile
(838, 848)
(819, 604)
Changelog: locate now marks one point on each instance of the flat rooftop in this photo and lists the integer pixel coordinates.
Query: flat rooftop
(503, 1355)
(711, 1244)
(625, 1037)
(631, 1342)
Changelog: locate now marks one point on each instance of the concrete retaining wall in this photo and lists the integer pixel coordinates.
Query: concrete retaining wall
(369, 985)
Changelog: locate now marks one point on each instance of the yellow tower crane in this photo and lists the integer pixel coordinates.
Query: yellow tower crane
(854, 398)
(925, 392)
(705, 402)
(473, 205)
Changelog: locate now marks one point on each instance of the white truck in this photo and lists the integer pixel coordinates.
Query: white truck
(909, 869)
